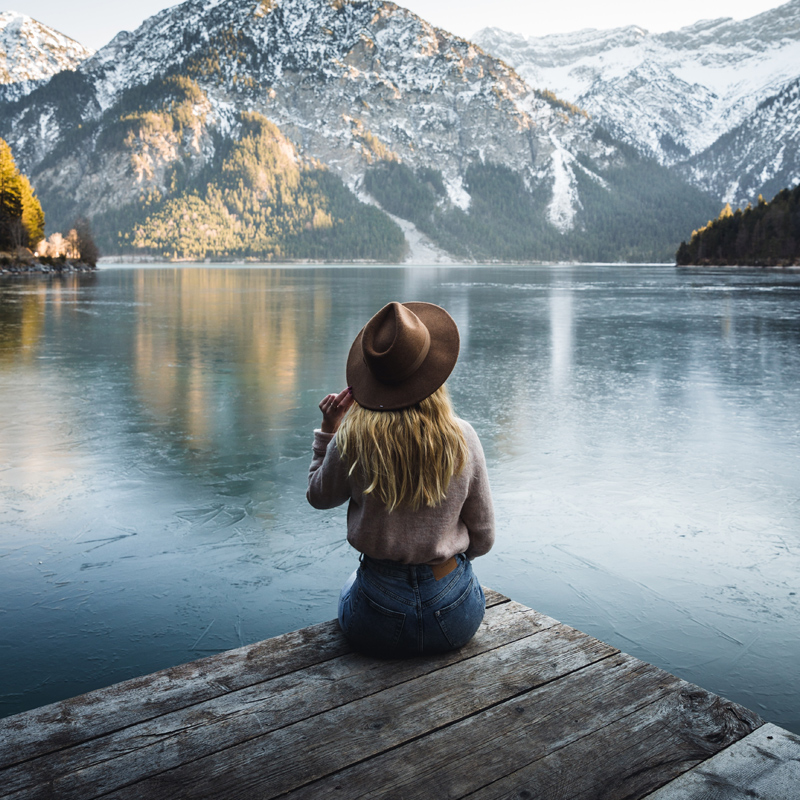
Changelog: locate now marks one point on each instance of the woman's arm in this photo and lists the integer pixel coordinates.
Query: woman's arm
(327, 475)
(477, 513)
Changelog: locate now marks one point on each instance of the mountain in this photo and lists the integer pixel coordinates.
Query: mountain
(760, 156)
(426, 125)
(31, 53)
(674, 96)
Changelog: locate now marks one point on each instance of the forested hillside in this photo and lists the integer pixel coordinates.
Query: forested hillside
(185, 191)
(765, 235)
(633, 211)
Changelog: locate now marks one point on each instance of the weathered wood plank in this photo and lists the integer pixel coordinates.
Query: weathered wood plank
(762, 766)
(485, 747)
(493, 598)
(270, 765)
(69, 722)
(87, 716)
(634, 755)
(112, 761)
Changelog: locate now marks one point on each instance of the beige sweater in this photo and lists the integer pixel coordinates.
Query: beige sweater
(462, 523)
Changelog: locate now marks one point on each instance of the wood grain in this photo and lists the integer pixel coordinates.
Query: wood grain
(269, 765)
(762, 766)
(124, 756)
(493, 598)
(88, 716)
(634, 755)
(484, 748)
(70, 722)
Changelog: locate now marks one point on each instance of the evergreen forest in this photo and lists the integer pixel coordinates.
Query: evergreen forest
(21, 215)
(767, 235)
(640, 221)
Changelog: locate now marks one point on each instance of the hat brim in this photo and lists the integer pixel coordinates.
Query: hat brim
(374, 394)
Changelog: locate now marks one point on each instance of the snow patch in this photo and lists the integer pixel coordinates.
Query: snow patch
(458, 195)
(422, 251)
(565, 203)
(31, 52)
(671, 95)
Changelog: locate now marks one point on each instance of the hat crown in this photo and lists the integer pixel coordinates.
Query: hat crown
(395, 343)
(402, 355)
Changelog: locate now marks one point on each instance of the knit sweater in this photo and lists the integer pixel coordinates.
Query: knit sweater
(462, 523)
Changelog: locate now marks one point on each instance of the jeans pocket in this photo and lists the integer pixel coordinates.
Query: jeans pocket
(461, 619)
(371, 627)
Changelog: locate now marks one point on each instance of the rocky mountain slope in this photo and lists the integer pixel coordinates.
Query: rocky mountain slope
(760, 156)
(31, 53)
(368, 90)
(674, 95)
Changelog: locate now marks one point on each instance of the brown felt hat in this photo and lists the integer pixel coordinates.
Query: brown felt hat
(402, 355)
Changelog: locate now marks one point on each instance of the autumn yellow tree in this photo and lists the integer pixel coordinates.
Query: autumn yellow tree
(21, 215)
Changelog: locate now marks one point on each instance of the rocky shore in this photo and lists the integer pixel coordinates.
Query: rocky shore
(37, 267)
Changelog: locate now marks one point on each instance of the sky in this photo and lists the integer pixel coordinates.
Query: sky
(94, 23)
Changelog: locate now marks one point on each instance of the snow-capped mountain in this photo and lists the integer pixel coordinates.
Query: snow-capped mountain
(761, 155)
(352, 84)
(347, 82)
(31, 53)
(670, 95)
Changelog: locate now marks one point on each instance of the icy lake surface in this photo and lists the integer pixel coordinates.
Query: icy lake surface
(641, 425)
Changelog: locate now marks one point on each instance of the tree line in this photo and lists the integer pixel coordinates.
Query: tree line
(22, 222)
(767, 235)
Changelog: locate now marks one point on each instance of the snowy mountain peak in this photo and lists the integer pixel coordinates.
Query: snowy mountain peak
(30, 52)
(671, 95)
(561, 48)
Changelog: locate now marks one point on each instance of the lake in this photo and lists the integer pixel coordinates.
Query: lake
(640, 424)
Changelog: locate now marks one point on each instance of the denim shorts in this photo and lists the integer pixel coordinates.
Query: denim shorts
(395, 610)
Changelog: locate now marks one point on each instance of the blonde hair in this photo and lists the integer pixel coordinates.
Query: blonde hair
(406, 457)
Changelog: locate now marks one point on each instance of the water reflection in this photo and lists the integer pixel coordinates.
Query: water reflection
(218, 351)
(25, 305)
(22, 319)
(560, 337)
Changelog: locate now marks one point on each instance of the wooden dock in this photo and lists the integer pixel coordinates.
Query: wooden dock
(530, 708)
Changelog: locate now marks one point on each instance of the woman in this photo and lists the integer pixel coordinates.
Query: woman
(415, 478)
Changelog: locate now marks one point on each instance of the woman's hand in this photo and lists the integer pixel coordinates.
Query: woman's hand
(333, 408)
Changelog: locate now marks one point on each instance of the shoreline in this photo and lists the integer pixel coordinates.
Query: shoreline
(38, 268)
